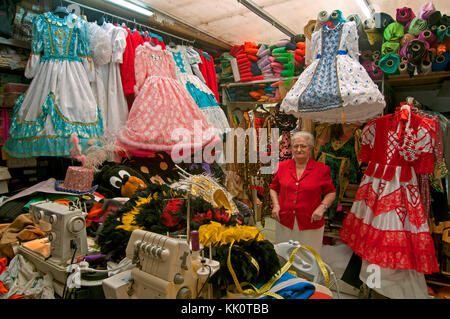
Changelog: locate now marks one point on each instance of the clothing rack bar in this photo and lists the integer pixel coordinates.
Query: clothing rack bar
(130, 21)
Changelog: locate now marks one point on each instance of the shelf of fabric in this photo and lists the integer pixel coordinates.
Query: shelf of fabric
(16, 43)
(420, 80)
(233, 84)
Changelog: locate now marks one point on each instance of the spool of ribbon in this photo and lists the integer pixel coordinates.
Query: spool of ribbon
(390, 47)
(425, 67)
(415, 51)
(427, 36)
(366, 55)
(426, 10)
(440, 62)
(309, 29)
(417, 25)
(406, 38)
(394, 32)
(375, 73)
(404, 15)
(434, 19)
(382, 20)
(389, 63)
(441, 30)
(403, 68)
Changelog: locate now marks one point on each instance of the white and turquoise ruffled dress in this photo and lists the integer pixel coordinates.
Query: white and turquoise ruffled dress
(187, 61)
(59, 101)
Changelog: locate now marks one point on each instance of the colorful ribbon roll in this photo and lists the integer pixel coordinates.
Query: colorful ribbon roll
(373, 34)
(389, 63)
(394, 32)
(426, 10)
(403, 68)
(375, 72)
(336, 17)
(323, 16)
(404, 15)
(440, 62)
(309, 29)
(417, 25)
(434, 19)
(390, 47)
(427, 36)
(441, 30)
(376, 55)
(415, 51)
(382, 20)
(425, 67)
(406, 38)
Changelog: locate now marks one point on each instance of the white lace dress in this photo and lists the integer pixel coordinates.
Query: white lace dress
(335, 88)
(107, 86)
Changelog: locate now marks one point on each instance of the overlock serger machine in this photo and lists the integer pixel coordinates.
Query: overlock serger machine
(165, 268)
(67, 239)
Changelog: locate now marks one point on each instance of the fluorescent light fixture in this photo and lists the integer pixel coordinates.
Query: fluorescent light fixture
(131, 6)
(367, 11)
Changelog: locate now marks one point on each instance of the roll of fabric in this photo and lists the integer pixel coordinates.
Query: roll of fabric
(255, 69)
(291, 46)
(425, 67)
(376, 55)
(323, 16)
(373, 34)
(389, 63)
(441, 49)
(445, 20)
(308, 30)
(382, 20)
(336, 17)
(279, 50)
(366, 55)
(434, 19)
(404, 15)
(415, 51)
(282, 43)
(406, 38)
(375, 72)
(441, 30)
(403, 68)
(427, 36)
(394, 32)
(390, 47)
(440, 62)
(355, 17)
(426, 10)
(417, 25)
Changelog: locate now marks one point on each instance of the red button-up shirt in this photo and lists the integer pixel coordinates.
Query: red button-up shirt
(299, 197)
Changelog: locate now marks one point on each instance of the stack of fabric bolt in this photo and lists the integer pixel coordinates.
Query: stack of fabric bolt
(263, 62)
(299, 55)
(246, 60)
(283, 58)
(421, 46)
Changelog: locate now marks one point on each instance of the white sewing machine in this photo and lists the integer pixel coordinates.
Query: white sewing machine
(68, 230)
(165, 269)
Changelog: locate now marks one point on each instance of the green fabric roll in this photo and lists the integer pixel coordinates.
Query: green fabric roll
(389, 63)
(441, 30)
(287, 73)
(394, 32)
(417, 25)
(279, 51)
(390, 47)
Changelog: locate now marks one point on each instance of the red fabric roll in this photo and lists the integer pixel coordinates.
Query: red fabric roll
(253, 58)
(251, 51)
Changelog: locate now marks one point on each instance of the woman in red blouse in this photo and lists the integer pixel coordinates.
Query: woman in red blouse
(301, 192)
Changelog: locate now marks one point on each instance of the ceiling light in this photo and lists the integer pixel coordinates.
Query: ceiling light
(131, 6)
(364, 5)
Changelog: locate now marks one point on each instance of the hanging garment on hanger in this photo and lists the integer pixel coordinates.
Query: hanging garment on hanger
(209, 72)
(387, 225)
(111, 97)
(59, 101)
(162, 106)
(335, 88)
(127, 66)
(188, 72)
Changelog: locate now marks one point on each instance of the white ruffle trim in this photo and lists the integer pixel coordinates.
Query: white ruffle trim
(216, 116)
(195, 80)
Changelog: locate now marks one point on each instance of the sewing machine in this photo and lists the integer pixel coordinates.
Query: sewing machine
(67, 228)
(164, 268)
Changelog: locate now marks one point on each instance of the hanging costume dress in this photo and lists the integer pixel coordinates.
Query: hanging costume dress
(59, 101)
(162, 107)
(387, 225)
(334, 88)
(187, 60)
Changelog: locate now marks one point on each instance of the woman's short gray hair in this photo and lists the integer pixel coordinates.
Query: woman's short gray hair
(305, 134)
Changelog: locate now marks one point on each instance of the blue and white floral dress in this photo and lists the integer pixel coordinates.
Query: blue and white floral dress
(335, 88)
(59, 101)
(188, 72)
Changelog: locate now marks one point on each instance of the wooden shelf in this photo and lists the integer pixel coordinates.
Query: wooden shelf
(16, 43)
(420, 80)
(233, 84)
